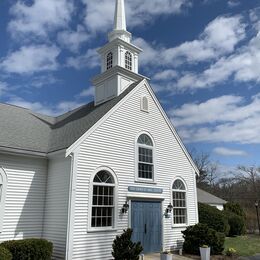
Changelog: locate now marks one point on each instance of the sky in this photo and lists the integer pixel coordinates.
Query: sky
(202, 56)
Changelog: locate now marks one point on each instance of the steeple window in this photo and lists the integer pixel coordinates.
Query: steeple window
(128, 60)
(109, 60)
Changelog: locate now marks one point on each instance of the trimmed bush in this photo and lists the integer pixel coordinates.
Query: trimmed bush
(236, 223)
(5, 254)
(201, 234)
(29, 249)
(213, 218)
(124, 248)
(235, 208)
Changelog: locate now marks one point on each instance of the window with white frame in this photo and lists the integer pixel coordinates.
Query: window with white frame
(103, 202)
(144, 104)
(179, 202)
(128, 60)
(145, 157)
(3, 184)
(109, 60)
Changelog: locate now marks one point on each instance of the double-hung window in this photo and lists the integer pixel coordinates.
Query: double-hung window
(145, 157)
(179, 203)
(103, 200)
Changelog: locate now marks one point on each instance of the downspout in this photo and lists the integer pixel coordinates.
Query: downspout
(69, 239)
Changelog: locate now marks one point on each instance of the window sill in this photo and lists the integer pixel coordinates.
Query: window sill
(180, 225)
(145, 181)
(94, 230)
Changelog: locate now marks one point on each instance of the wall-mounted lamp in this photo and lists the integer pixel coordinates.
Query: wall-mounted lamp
(169, 209)
(125, 208)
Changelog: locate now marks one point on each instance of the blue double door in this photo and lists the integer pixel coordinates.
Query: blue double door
(146, 222)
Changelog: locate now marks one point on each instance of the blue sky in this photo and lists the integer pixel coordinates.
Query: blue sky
(203, 58)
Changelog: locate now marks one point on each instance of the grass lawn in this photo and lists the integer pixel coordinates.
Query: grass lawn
(245, 245)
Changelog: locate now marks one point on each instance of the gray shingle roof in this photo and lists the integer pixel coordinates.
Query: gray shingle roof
(208, 198)
(24, 129)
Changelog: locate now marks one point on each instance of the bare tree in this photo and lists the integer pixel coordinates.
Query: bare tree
(250, 176)
(202, 160)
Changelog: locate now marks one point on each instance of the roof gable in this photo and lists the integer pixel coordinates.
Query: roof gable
(25, 130)
(208, 198)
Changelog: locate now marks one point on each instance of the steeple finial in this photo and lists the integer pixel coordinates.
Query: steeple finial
(120, 23)
(120, 20)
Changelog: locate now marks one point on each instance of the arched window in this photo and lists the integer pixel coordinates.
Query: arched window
(128, 60)
(144, 104)
(179, 202)
(103, 200)
(109, 60)
(3, 184)
(145, 157)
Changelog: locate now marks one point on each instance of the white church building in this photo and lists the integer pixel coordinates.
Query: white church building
(81, 178)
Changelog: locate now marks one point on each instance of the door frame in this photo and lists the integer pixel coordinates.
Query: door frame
(148, 200)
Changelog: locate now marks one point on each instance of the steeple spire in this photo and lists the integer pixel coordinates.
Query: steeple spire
(120, 20)
(120, 24)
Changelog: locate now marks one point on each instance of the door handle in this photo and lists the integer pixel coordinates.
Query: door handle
(145, 228)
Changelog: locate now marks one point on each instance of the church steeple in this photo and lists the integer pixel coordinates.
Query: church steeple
(120, 20)
(119, 60)
(120, 23)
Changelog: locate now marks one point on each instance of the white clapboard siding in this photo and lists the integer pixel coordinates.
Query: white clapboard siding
(56, 208)
(112, 144)
(25, 197)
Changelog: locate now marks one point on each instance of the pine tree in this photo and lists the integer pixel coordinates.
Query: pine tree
(124, 248)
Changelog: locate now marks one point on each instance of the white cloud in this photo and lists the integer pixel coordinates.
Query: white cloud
(99, 14)
(166, 75)
(39, 18)
(73, 40)
(219, 38)
(89, 60)
(244, 66)
(233, 3)
(3, 87)
(222, 119)
(46, 109)
(87, 92)
(229, 152)
(31, 59)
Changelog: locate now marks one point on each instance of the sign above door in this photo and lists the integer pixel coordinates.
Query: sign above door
(145, 189)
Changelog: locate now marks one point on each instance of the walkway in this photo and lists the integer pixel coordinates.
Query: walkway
(157, 257)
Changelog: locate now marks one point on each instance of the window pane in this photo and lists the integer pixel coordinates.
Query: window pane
(145, 155)
(145, 139)
(103, 196)
(102, 217)
(145, 171)
(178, 185)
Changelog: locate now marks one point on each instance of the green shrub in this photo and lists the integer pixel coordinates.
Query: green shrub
(235, 208)
(29, 249)
(236, 223)
(5, 254)
(213, 218)
(124, 248)
(201, 234)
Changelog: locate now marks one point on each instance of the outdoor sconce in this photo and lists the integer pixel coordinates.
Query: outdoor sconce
(125, 208)
(169, 209)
